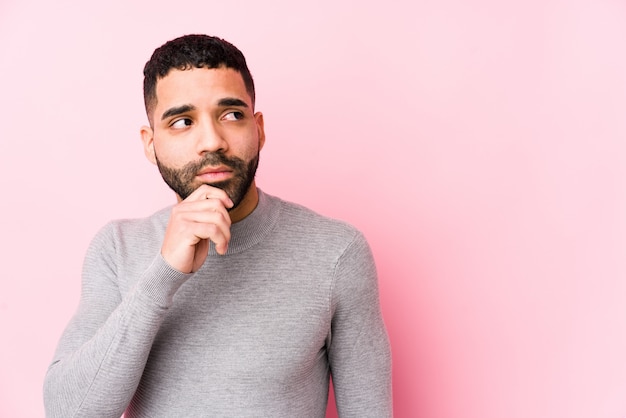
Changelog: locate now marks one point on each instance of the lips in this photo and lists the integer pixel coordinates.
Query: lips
(219, 173)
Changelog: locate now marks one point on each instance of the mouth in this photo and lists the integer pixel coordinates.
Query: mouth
(215, 174)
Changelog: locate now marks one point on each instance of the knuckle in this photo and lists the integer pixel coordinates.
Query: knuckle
(211, 229)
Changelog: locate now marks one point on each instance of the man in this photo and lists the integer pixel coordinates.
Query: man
(231, 303)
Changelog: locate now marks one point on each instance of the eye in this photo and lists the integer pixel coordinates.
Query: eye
(181, 123)
(234, 115)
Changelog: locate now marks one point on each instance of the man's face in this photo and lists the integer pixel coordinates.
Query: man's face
(205, 132)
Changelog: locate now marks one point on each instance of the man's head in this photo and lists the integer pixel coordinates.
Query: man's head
(203, 129)
(187, 52)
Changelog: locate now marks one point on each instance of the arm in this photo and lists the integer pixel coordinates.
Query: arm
(102, 353)
(359, 352)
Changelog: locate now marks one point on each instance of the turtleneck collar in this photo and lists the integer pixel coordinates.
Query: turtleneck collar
(253, 228)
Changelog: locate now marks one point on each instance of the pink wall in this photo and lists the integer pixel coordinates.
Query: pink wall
(480, 145)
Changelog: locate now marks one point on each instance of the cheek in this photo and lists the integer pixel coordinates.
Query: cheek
(252, 150)
(245, 146)
(170, 154)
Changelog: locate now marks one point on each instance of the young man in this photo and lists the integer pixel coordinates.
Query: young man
(231, 303)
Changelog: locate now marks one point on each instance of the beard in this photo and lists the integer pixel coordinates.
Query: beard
(181, 180)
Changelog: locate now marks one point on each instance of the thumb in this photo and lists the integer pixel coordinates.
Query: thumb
(200, 254)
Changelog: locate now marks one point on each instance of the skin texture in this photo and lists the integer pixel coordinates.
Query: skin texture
(199, 112)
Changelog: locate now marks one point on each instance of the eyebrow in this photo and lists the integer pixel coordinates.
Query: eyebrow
(225, 102)
(231, 101)
(177, 110)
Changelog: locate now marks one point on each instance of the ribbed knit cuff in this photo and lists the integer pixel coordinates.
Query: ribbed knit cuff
(161, 281)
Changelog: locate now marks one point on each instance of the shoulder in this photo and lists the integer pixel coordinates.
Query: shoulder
(132, 232)
(315, 228)
(126, 245)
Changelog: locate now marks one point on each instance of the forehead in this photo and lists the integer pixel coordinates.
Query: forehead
(200, 86)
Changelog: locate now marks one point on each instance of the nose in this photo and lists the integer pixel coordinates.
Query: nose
(210, 138)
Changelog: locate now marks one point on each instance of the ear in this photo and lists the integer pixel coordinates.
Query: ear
(258, 117)
(147, 137)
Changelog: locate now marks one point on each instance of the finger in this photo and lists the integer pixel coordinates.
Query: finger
(194, 221)
(205, 192)
(186, 237)
(216, 233)
(203, 211)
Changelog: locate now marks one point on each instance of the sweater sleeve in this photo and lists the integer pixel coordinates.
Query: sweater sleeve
(359, 350)
(103, 350)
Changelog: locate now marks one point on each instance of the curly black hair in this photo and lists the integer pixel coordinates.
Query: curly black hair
(192, 51)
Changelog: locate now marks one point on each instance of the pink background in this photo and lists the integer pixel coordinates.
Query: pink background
(480, 145)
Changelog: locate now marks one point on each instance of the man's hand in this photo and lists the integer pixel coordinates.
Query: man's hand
(193, 222)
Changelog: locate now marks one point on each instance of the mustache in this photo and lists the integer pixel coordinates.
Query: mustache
(212, 159)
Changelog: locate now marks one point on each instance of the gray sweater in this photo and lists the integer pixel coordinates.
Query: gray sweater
(253, 333)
